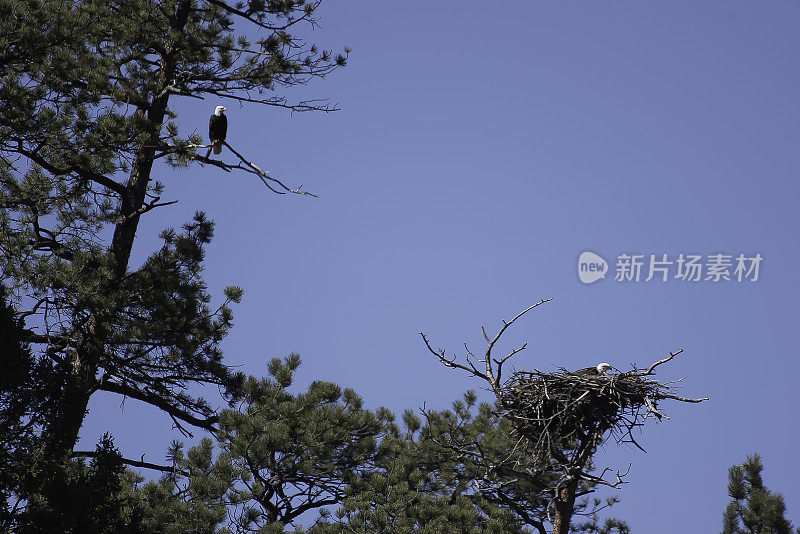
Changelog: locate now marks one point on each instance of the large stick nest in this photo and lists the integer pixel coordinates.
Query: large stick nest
(552, 407)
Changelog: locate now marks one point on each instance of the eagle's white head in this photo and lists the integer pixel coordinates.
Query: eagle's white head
(603, 367)
(219, 109)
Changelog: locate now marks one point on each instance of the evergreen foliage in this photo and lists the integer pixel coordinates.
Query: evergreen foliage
(422, 484)
(81, 498)
(296, 453)
(24, 404)
(447, 472)
(319, 462)
(88, 91)
(753, 508)
(191, 498)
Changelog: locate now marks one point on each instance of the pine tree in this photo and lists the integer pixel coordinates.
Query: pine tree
(24, 404)
(296, 453)
(753, 508)
(449, 471)
(434, 474)
(279, 459)
(83, 497)
(282, 460)
(88, 89)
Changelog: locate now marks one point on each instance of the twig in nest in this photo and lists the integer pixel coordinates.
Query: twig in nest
(574, 411)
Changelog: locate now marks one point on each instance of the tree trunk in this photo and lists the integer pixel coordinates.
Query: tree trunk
(565, 506)
(62, 434)
(81, 382)
(565, 495)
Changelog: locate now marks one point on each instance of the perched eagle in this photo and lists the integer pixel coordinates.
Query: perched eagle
(595, 371)
(218, 128)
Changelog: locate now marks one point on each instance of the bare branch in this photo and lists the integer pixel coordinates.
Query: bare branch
(684, 399)
(661, 362)
(264, 175)
(175, 90)
(493, 380)
(134, 463)
(177, 414)
(232, 10)
(441, 356)
(279, 102)
(502, 360)
(273, 184)
(490, 375)
(145, 208)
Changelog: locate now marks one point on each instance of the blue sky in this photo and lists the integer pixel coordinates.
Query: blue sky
(479, 150)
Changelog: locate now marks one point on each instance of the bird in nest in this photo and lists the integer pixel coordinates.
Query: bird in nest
(599, 370)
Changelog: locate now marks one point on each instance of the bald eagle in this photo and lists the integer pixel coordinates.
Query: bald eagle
(218, 128)
(595, 371)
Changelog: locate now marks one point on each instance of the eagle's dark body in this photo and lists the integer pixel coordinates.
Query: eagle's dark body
(595, 371)
(217, 130)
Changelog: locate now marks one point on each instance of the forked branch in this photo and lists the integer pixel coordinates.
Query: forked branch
(273, 184)
(491, 373)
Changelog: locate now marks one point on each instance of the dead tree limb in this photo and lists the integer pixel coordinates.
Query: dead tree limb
(273, 184)
(491, 374)
(265, 177)
(134, 463)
